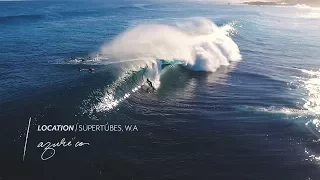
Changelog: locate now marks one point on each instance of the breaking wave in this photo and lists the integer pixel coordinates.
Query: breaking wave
(308, 12)
(306, 7)
(310, 84)
(302, 6)
(197, 44)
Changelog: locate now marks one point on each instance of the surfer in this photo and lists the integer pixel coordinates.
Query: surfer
(150, 84)
(89, 69)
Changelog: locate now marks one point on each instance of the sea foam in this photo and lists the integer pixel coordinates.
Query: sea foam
(198, 43)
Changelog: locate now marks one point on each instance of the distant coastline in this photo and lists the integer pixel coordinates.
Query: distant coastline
(282, 3)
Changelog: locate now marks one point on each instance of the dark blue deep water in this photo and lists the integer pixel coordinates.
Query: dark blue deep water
(256, 118)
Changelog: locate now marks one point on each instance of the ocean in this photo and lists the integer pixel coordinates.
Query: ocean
(236, 90)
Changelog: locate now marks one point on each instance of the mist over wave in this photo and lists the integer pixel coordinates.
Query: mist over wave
(198, 43)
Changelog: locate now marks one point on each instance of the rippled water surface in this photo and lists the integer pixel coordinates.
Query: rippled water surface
(238, 100)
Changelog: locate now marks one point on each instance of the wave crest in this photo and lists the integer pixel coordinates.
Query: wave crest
(302, 6)
(199, 43)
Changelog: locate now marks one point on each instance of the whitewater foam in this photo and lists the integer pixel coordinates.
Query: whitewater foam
(308, 12)
(199, 43)
(311, 156)
(309, 15)
(280, 110)
(302, 6)
(306, 7)
(311, 85)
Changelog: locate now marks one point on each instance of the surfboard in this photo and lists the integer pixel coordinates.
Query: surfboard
(147, 88)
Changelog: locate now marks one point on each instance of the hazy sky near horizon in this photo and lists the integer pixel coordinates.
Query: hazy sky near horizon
(152, 0)
(132, 1)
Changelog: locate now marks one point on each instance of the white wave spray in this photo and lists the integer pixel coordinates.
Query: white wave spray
(302, 6)
(198, 43)
(310, 83)
(307, 12)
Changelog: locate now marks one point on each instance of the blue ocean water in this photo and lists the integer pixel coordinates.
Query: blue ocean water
(243, 104)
